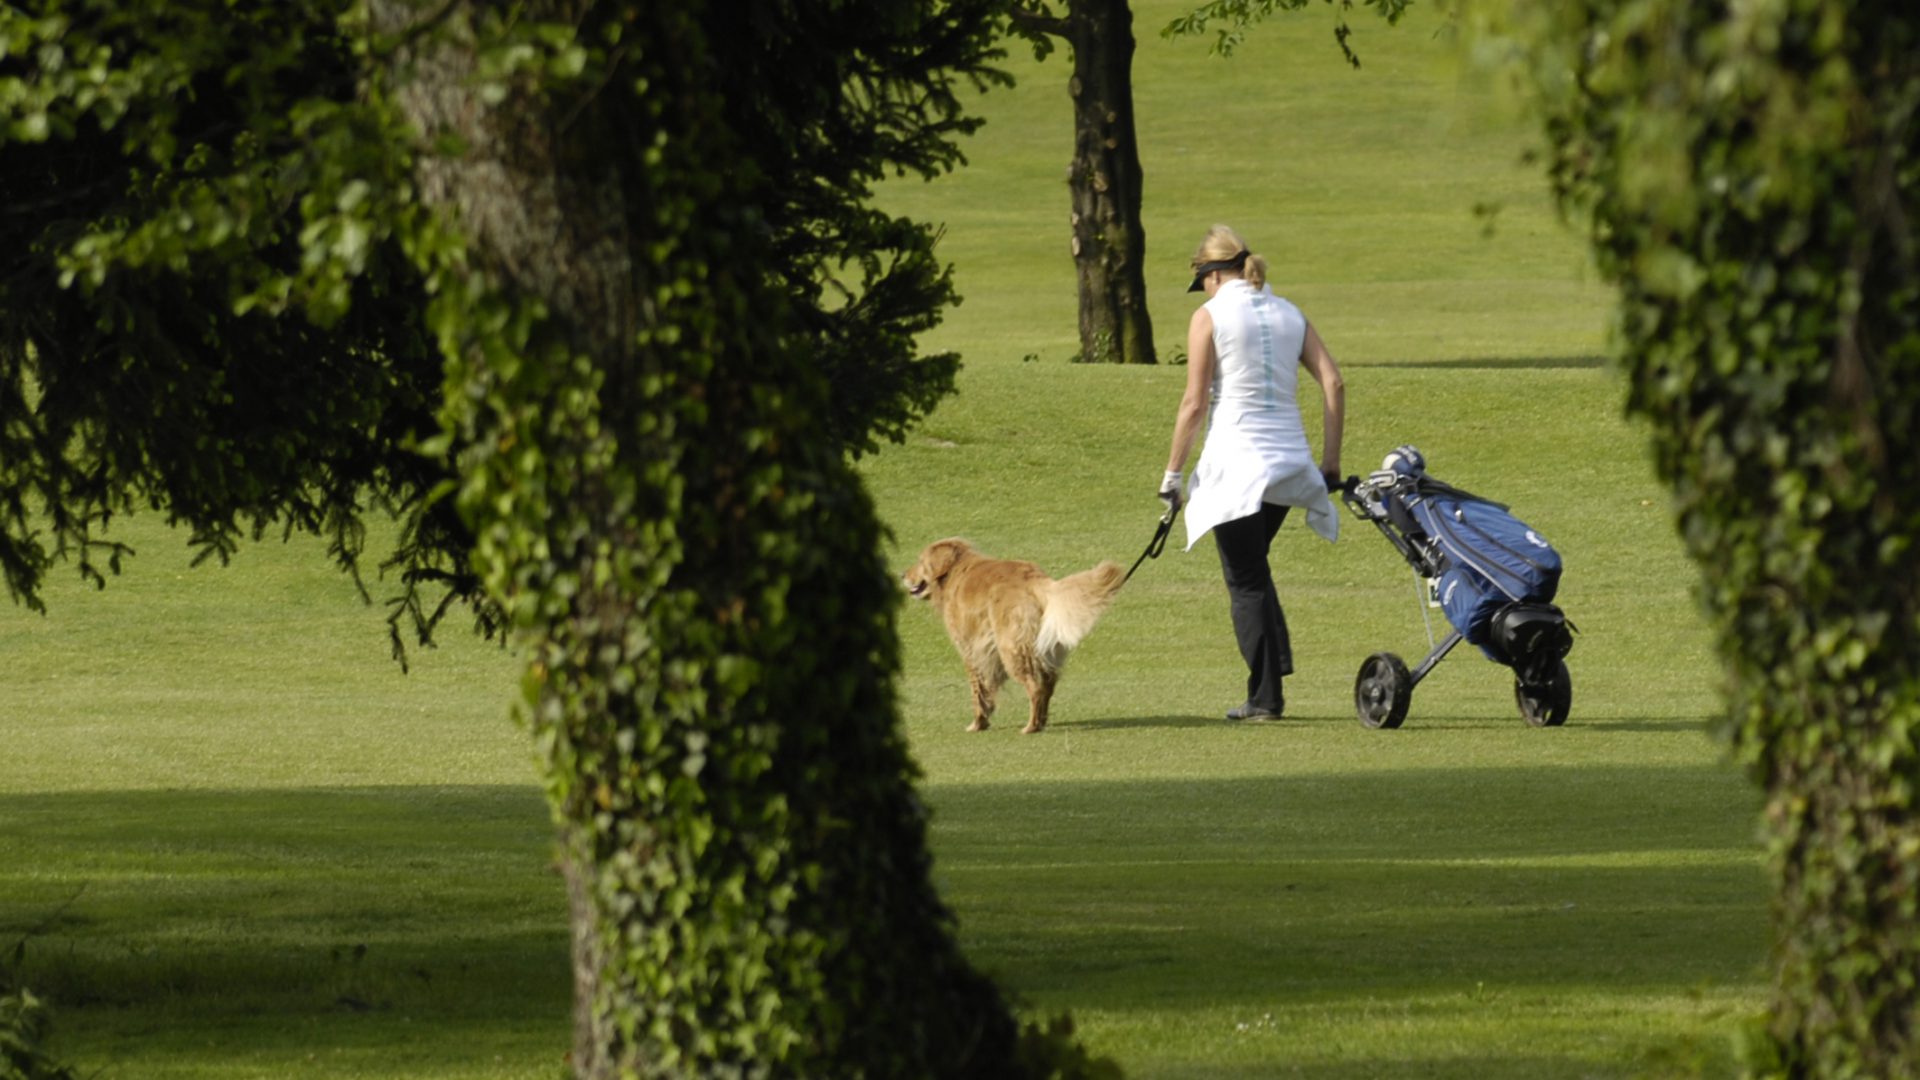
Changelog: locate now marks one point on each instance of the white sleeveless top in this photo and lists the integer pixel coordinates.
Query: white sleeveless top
(1256, 449)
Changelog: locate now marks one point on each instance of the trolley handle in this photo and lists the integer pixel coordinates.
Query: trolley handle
(1362, 497)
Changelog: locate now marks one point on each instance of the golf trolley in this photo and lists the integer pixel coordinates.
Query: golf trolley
(1493, 576)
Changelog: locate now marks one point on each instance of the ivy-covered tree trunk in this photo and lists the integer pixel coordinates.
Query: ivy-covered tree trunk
(641, 237)
(1750, 175)
(1105, 181)
(690, 569)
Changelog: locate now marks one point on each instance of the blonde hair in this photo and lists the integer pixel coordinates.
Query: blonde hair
(1223, 243)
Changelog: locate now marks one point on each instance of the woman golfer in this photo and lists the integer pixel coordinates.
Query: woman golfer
(1245, 350)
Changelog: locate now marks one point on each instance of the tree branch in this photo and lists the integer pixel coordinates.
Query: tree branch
(1033, 21)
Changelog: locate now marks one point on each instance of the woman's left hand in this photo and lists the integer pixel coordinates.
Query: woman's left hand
(1170, 492)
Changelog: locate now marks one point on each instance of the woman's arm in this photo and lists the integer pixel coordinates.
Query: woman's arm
(1333, 398)
(1193, 404)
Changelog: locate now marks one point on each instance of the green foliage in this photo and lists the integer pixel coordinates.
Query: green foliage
(202, 307)
(207, 308)
(1049, 1052)
(1747, 172)
(23, 1033)
(855, 95)
(24, 1024)
(1240, 15)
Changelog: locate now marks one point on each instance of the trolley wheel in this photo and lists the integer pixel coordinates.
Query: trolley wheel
(1546, 704)
(1381, 693)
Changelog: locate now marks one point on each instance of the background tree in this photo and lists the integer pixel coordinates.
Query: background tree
(541, 266)
(1748, 177)
(1104, 181)
(1239, 16)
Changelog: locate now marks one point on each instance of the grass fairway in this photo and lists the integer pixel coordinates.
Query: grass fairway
(1464, 897)
(243, 844)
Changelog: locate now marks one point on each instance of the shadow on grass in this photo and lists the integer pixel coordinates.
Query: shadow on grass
(1502, 363)
(1416, 725)
(1412, 727)
(254, 930)
(1463, 1067)
(1124, 722)
(1651, 724)
(1372, 886)
(409, 931)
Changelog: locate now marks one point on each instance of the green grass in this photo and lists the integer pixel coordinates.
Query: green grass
(1464, 897)
(245, 845)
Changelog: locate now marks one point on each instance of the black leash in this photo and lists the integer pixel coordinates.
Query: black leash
(1154, 546)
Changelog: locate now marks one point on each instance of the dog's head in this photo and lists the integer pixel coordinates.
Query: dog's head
(936, 561)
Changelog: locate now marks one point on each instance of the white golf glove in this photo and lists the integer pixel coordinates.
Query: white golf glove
(1170, 492)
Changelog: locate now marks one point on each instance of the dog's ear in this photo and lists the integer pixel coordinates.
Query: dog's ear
(942, 556)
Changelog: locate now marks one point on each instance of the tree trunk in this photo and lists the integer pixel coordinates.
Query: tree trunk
(1109, 242)
(691, 568)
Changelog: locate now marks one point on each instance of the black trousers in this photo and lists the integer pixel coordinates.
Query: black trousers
(1258, 623)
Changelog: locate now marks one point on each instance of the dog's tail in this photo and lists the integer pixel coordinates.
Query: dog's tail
(1074, 604)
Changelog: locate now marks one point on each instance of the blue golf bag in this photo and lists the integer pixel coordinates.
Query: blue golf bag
(1494, 559)
(1494, 576)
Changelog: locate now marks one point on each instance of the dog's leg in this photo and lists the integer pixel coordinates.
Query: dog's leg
(986, 688)
(1040, 693)
(1038, 679)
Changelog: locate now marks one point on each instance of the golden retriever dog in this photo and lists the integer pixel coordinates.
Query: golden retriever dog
(1009, 618)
